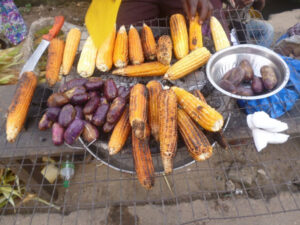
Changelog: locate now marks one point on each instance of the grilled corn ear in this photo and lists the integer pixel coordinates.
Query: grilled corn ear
(154, 88)
(164, 50)
(120, 56)
(206, 116)
(167, 103)
(136, 54)
(179, 35)
(19, 106)
(188, 64)
(196, 142)
(119, 134)
(142, 70)
(104, 58)
(219, 36)
(195, 34)
(143, 160)
(138, 110)
(87, 61)
(148, 42)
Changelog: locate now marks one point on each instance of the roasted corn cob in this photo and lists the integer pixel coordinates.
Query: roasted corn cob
(217, 136)
(87, 60)
(120, 56)
(119, 134)
(188, 64)
(154, 88)
(167, 104)
(148, 42)
(195, 34)
(136, 54)
(196, 142)
(206, 116)
(72, 42)
(143, 160)
(142, 70)
(19, 106)
(179, 35)
(164, 50)
(219, 36)
(55, 55)
(104, 58)
(138, 110)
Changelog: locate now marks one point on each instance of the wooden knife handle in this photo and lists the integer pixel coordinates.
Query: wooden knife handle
(58, 23)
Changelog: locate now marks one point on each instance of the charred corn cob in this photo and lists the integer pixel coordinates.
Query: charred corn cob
(217, 136)
(72, 42)
(179, 35)
(55, 55)
(142, 70)
(195, 34)
(138, 110)
(119, 134)
(120, 56)
(196, 142)
(219, 36)
(154, 88)
(164, 50)
(136, 54)
(167, 104)
(148, 43)
(19, 106)
(188, 64)
(104, 58)
(143, 160)
(206, 116)
(87, 60)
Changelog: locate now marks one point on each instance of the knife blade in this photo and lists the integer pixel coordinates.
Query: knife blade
(34, 58)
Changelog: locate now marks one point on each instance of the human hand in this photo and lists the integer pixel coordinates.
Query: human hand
(202, 7)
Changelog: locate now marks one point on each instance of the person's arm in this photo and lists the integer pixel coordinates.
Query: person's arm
(203, 7)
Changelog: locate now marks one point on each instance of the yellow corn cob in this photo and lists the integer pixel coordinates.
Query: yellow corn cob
(119, 134)
(148, 43)
(167, 104)
(142, 70)
(87, 60)
(104, 58)
(120, 56)
(143, 160)
(164, 50)
(196, 142)
(188, 64)
(55, 55)
(136, 54)
(154, 88)
(195, 34)
(206, 116)
(138, 110)
(219, 36)
(179, 35)
(19, 106)
(199, 95)
(72, 42)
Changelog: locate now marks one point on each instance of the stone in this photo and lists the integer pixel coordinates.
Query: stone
(230, 186)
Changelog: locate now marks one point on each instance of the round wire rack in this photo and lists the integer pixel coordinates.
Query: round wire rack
(234, 183)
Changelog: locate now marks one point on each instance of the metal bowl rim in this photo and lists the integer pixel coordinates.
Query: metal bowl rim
(232, 48)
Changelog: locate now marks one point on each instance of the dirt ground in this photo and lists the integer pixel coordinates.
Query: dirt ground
(238, 183)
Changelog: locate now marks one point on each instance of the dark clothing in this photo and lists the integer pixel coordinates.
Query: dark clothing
(133, 11)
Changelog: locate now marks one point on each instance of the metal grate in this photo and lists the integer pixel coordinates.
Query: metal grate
(233, 183)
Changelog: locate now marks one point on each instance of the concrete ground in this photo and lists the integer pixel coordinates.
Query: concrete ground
(210, 211)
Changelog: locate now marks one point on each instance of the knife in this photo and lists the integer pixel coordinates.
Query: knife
(34, 58)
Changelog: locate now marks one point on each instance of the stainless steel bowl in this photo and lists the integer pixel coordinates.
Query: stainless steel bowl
(258, 56)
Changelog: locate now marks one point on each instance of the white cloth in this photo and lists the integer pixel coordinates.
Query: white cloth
(265, 130)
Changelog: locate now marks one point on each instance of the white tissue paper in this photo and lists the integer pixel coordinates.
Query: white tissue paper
(265, 130)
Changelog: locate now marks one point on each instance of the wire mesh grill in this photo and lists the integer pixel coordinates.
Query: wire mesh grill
(233, 183)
